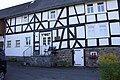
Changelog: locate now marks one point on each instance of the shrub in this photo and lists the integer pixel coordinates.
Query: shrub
(12, 59)
(109, 67)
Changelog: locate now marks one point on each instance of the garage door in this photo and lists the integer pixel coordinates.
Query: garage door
(79, 57)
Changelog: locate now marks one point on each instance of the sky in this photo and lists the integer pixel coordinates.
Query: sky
(10, 3)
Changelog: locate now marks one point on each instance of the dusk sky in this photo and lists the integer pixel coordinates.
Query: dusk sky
(9, 3)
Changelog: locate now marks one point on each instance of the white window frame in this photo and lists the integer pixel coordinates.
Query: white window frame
(101, 7)
(25, 19)
(28, 41)
(90, 8)
(9, 43)
(53, 15)
(91, 31)
(103, 30)
(17, 43)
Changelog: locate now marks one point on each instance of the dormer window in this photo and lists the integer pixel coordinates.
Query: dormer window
(101, 7)
(90, 8)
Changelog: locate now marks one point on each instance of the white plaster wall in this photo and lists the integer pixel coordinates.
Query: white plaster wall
(30, 17)
(91, 18)
(7, 30)
(80, 32)
(103, 42)
(65, 34)
(52, 23)
(115, 28)
(82, 42)
(115, 40)
(17, 51)
(45, 24)
(101, 17)
(37, 24)
(18, 28)
(81, 19)
(56, 44)
(73, 20)
(64, 13)
(18, 20)
(13, 21)
(112, 4)
(13, 28)
(72, 42)
(63, 21)
(71, 10)
(92, 42)
(60, 32)
(113, 15)
(80, 9)
(45, 15)
(64, 44)
(24, 27)
(39, 16)
(8, 21)
(32, 26)
(72, 30)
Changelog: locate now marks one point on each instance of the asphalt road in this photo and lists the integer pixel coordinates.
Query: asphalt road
(18, 72)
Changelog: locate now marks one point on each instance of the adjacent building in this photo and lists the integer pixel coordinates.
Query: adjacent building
(86, 26)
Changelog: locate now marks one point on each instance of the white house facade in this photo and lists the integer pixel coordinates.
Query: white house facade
(79, 26)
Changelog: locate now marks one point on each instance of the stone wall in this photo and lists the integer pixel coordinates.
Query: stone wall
(63, 58)
(92, 62)
(42, 61)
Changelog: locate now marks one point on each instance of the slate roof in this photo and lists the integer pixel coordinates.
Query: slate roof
(38, 5)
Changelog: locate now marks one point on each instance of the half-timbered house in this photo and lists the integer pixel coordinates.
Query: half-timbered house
(85, 26)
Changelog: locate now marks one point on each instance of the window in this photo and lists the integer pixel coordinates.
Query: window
(90, 8)
(91, 31)
(9, 44)
(52, 14)
(25, 19)
(102, 30)
(101, 7)
(17, 43)
(28, 41)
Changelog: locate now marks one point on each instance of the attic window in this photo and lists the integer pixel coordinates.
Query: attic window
(25, 19)
(52, 14)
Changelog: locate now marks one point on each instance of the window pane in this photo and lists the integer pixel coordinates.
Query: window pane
(28, 41)
(91, 31)
(90, 8)
(44, 41)
(48, 40)
(100, 7)
(8, 43)
(52, 14)
(103, 31)
(17, 43)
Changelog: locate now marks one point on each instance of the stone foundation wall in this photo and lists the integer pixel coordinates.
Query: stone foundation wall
(63, 58)
(92, 62)
(42, 61)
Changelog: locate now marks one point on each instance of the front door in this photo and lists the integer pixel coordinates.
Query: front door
(79, 57)
(45, 43)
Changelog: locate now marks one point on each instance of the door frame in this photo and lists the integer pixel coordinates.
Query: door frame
(83, 56)
(40, 41)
